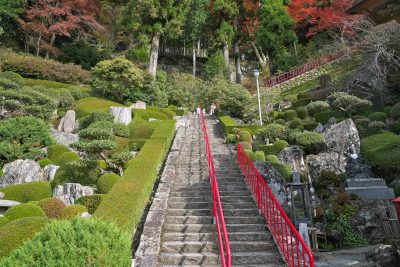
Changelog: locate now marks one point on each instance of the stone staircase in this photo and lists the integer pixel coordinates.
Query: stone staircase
(188, 235)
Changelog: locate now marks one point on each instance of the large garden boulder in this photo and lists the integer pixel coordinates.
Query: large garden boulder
(384, 255)
(6, 204)
(50, 172)
(121, 114)
(341, 137)
(326, 161)
(63, 138)
(293, 156)
(274, 180)
(70, 192)
(139, 105)
(21, 171)
(68, 123)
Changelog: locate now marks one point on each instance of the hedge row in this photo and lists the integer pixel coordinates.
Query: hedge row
(226, 121)
(27, 192)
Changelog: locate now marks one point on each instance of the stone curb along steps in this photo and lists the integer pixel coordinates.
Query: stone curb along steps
(149, 247)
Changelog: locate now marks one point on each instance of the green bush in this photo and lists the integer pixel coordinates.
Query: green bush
(72, 211)
(281, 122)
(349, 103)
(323, 117)
(22, 137)
(289, 115)
(245, 145)
(68, 157)
(97, 119)
(44, 162)
(301, 112)
(273, 159)
(15, 233)
(14, 77)
(216, 67)
(375, 127)
(259, 156)
(303, 95)
(120, 129)
(302, 102)
(395, 111)
(317, 107)
(225, 122)
(377, 116)
(39, 68)
(84, 172)
(311, 142)
(362, 122)
(284, 170)
(124, 203)
(55, 152)
(252, 129)
(382, 151)
(291, 98)
(79, 242)
(27, 192)
(4, 221)
(90, 202)
(52, 207)
(106, 182)
(272, 132)
(250, 154)
(276, 148)
(296, 123)
(245, 136)
(8, 84)
(83, 53)
(231, 139)
(138, 54)
(395, 127)
(24, 210)
(62, 96)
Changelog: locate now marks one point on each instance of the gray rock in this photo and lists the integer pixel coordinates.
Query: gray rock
(70, 192)
(384, 255)
(121, 114)
(330, 123)
(319, 128)
(340, 137)
(86, 215)
(139, 105)
(68, 122)
(1, 195)
(274, 180)
(21, 171)
(64, 138)
(326, 161)
(50, 172)
(6, 204)
(152, 119)
(293, 156)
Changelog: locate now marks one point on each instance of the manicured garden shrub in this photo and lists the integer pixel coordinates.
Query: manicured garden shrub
(280, 121)
(317, 107)
(235, 131)
(323, 117)
(27, 192)
(250, 154)
(72, 211)
(68, 157)
(302, 102)
(225, 122)
(231, 139)
(377, 116)
(8, 84)
(4, 221)
(375, 127)
(301, 112)
(395, 127)
(311, 142)
(14, 77)
(97, 119)
(22, 137)
(62, 96)
(303, 95)
(106, 182)
(278, 114)
(289, 115)
(272, 132)
(55, 152)
(382, 151)
(245, 136)
(44, 162)
(395, 111)
(52, 207)
(245, 145)
(296, 123)
(362, 122)
(24, 210)
(90, 202)
(259, 156)
(84, 172)
(15, 233)
(80, 242)
(140, 129)
(284, 170)
(277, 147)
(216, 67)
(120, 129)
(291, 98)
(87, 105)
(351, 104)
(273, 159)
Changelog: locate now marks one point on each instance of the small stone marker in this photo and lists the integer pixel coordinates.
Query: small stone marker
(139, 105)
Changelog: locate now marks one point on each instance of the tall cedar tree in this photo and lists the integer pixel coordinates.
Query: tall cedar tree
(10, 8)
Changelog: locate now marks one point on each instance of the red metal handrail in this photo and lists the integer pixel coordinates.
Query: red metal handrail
(303, 69)
(291, 244)
(218, 213)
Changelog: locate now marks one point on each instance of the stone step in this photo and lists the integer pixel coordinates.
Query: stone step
(368, 182)
(197, 187)
(372, 193)
(190, 193)
(224, 199)
(209, 246)
(241, 236)
(205, 182)
(205, 205)
(208, 219)
(210, 228)
(208, 212)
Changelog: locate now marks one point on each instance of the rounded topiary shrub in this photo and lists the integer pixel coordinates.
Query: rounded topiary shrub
(27, 192)
(280, 121)
(4, 221)
(52, 207)
(395, 127)
(68, 157)
(14, 77)
(302, 112)
(395, 111)
(79, 242)
(377, 116)
(72, 211)
(272, 159)
(55, 152)
(250, 153)
(24, 210)
(245, 136)
(245, 145)
(349, 103)
(106, 182)
(291, 98)
(276, 148)
(375, 127)
(311, 142)
(296, 123)
(120, 129)
(44, 162)
(84, 172)
(15, 233)
(259, 156)
(304, 95)
(317, 107)
(289, 115)
(231, 139)
(272, 132)
(235, 131)
(90, 202)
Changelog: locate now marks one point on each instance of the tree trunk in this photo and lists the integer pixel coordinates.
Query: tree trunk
(112, 165)
(194, 60)
(263, 60)
(155, 46)
(225, 51)
(52, 39)
(198, 48)
(38, 44)
(237, 54)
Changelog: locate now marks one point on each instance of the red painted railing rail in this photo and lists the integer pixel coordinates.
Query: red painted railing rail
(303, 69)
(291, 244)
(218, 213)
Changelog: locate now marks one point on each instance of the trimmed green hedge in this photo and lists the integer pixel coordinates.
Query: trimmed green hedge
(125, 201)
(55, 152)
(4, 221)
(15, 233)
(90, 202)
(276, 148)
(85, 106)
(106, 182)
(164, 130)
(226, 121)
(252, 129)
(24, 210)
(79, 242)
(27, 192)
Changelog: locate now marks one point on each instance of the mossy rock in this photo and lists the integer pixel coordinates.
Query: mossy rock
(72, 211)
(52, 207)
(106, 182)
(27, 192)
(24, 210)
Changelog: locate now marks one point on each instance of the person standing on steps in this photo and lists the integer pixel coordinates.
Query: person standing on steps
(212, 109)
